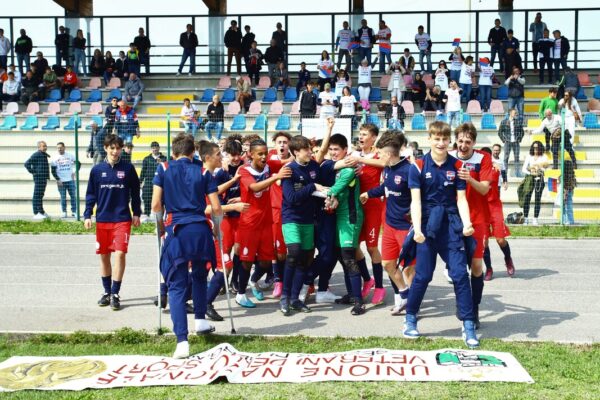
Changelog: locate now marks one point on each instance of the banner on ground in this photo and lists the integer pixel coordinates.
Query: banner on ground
(224, 361)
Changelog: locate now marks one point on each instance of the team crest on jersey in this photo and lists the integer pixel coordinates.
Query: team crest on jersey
(245, 251)
(120, 174)
(313, 174)
(469, 167)
(397, 179)
(450, 175)
(428, 175)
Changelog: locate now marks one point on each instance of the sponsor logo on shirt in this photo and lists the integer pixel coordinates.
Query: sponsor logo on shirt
(104, 174)
(469, 167)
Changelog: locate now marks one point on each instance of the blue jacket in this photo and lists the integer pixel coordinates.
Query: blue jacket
(298, 204)
(409, 249)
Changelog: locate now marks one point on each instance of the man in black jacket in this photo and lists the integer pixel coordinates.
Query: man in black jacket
(38, 166)
(23, 47)
(496, 37)
(545, 46)
(30, 88)
(233, 42)
(511, 133)
(560, 53)
(280, 37)
(247, 44)
(366, 38)
(189, 41)
(272, 56)
(308, 101)
(142, 42)
(62, 46)
(149, 166)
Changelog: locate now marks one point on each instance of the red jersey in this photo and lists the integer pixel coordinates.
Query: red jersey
(258, 214)
(275, 164)
(70, 78)
(480, 167)
(369, 176)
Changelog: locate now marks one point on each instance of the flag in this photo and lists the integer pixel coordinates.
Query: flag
(385, 48)
(355, 44)
(456, 42)
(553, 185)
(484, 62)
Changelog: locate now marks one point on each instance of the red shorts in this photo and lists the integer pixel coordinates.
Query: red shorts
(112, 236)
(228, 261)
(371, 227)
(481, 234)
(278, 242)
(228, 229)
(497, 226)
(391, 242)
(255, 244)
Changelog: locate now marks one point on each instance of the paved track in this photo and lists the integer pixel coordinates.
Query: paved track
(51, 283)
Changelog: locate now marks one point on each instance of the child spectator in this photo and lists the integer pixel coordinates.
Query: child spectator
(303, 78)
(466, 78)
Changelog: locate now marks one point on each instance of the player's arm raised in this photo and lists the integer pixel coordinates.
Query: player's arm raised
(320, 156)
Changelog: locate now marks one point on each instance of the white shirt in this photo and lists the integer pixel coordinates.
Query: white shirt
(453, 103)
(347, 103)
(550, 124)
(466, 74)
(382, 35)
(4, 46)
(339, 86)
(456, 63)
(365, 40)
(485, 77)
(65, 166)
(441, 80)
(530, 161)
(17, 74)
(327, 110)
(570, 112)
(188, 111)
(11, 87)
(327, 65)
(364, 74)
(422, 40)
(345, 37)
(511, 122)
(397, 80)
(502, 166)
(556, 49)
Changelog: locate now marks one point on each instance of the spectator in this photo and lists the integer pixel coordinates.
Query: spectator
(23, 48)
(37, 165)
(325, 68)
(366, 38)
(5, 48)
(569, 184)
(281, 41)
(342, 42)
(61, 42)
(134, 89)
(328, 102)
(308, 101)
(244, 94)
(15, 71)
(247, 44)
(190, 117)
(568, 83)
(347, 103)
(503, 180)
(121, 66)
(385, 45)
(50, 81)
(396, 86)
(110, 66)
(537, 28)
(364, 84)
(545, 47)
(496, 38)
(407, 61)
(69, 81)
(93, 151)
(30, 88)
(434, 100)
(511, 42)
(126, 122)
(418, 90)
(97, 64)
(423, 42)
(560, 53)
(11, 89)
(534, 166)
(142, 44)
(466, 78)
(79, 52)
(126, 153)
(281, 77)
(133, 60)
(110, 115)
(149, 165)
(549, 103)
(512, 59)
(189, 41)
(394, 115)
(63, 168)
(516, 90)
(233, 42)
(573, 117)
(254, 63)
(486, 78)
(552, 130)
(453, 107)
(303, 78)
(214, 114)
(341, 80)
(442, 76)
(456, 61)
(272, 56)
(511, 134)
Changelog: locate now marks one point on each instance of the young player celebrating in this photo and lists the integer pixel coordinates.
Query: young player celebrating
(183, 188)
(112, 186)
(397, 220)
(254, 241)
(439, 212)
(477, 172)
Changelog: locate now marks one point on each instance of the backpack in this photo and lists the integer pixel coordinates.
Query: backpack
(515, 218)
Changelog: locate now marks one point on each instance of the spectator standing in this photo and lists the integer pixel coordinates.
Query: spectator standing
(545, 49)
(69, 82)
(511, 134)
(364, 84)
(456, 61)
(486, 77)
(5, 48)
(247, 44)
(496, 38)
(516, 91)
(385, 45)
(394, 115)
(97, 64)
(534, 166)
(418, 90)
(126, 122)
(23, 48)
(190, 117)
(233, 42)
(63, 168)
(342, 44)
(254, 63)
(142, 44)
(328, 102)
(110, 65)
(466, 78)
(110, 114)
(281, 41)
(149, 166)
(93, 150)
(273, 55)
(560, 53)
(396, 86)
(133, 59)
(552, 130)
(133, 90)
(38, 166)
(325, 68)
(61, 42)
(244, 94)
(407, 61)
(30, 88)
(569, 184)
(214, 113)
(573, 117)
(11, 89)
(303, 78)
(79, 53)
(512, 59)
(453, 107)
(281, 77)
(366, 38)
(188, 41)
(537, 28)
(308, 101)
(511, 42)
(549, 103)
(423, 42)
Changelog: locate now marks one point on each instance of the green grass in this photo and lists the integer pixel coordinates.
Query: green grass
(560, 371)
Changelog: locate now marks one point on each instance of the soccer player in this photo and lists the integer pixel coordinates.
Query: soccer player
(246, 146)
(349, 219)
(477, 172)
(112, 186)
(498, 228)
(254, 241)
(298, 216)
(182, 188)
(397, 211)
(439, 211)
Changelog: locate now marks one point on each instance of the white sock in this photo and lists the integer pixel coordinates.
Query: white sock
(202, 325)
(397, 299)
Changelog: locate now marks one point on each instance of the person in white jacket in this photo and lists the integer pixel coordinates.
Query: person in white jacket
(5, 48)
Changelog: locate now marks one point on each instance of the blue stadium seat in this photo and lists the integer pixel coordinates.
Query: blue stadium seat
(375, 94)
(95, 95)
(10, 123)
(54, 96)
(487, 122)
(283, 122)
(590, 121)
(228, 96)
(316, 91)
(239, 123)
(52, 124)
(290, 95)
(114, 93)
(418, 123)
(70, 126)
(374, 119)
(260, 123)
(269, 96)
(30, 123)
(502, 92)
(441, 117)
(207, 95)
(597, 92)
(354, 92)
(581, 94)
(74, 96)
(253, 94)
(466, 118)
(98, 120)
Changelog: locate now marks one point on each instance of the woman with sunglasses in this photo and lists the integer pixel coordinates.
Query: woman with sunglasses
(534, 166)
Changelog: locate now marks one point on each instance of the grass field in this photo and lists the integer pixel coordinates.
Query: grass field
(560, 371)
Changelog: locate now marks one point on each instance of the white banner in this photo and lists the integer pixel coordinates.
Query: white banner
(224, 361)
(314, 128)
